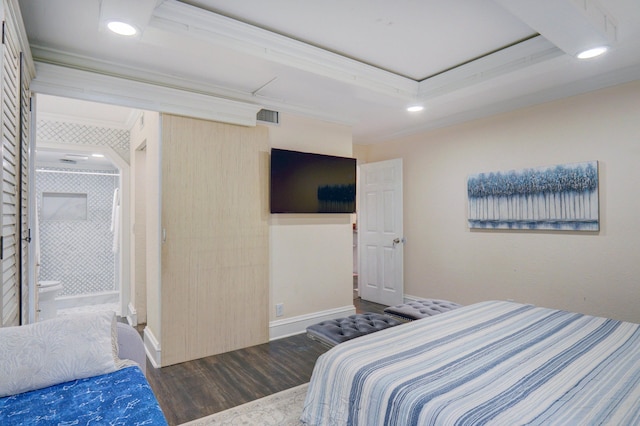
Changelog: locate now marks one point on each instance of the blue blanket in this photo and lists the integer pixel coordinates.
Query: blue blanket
(123, 397)
(489, 363)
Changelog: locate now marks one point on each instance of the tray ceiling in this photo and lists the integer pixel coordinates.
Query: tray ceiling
(357, 62)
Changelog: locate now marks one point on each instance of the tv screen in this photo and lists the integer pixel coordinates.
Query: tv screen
(303, 182)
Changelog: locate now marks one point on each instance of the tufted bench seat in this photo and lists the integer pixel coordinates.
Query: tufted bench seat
(418, 309)
(332, 332)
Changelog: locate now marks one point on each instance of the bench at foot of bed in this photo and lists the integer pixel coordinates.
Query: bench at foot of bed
(340, 330)
(423, 308)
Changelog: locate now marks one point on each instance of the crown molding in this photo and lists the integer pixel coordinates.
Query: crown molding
(91, 86)
(180, 18)
(519, 56)
(578, 87)
(46, 56)
(13, 15)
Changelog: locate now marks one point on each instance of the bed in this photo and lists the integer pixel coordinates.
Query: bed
(488, 363)
(78, 370)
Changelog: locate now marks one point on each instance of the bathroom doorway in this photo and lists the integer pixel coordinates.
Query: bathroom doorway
(81, 179)
(78, 203)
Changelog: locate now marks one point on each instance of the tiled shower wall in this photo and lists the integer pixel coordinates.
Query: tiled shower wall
(79, 252)
(80, 134)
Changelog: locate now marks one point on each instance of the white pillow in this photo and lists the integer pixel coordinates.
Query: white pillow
(58, 350)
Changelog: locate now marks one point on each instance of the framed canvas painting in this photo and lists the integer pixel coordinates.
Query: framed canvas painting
(561, 197)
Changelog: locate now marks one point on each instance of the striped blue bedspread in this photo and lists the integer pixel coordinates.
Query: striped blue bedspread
(494, 362)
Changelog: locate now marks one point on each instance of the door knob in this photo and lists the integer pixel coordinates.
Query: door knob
(397, 241)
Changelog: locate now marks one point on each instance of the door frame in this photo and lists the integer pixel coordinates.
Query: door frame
(124, 258)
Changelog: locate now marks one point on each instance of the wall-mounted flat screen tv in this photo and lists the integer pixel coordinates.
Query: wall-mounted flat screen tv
(303, 182)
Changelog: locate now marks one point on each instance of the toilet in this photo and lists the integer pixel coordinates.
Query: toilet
(47, 292)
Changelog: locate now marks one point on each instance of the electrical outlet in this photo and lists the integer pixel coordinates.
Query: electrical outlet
(279, 309)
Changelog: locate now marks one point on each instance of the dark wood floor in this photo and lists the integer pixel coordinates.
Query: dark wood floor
(195, 389)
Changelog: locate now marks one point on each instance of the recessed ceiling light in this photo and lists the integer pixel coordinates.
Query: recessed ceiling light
(97, 155)
(415, 108)
(592, 53)
(122, 28)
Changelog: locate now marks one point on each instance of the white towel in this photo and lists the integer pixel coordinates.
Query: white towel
(114, 206)
(36, 242)
(116, 230)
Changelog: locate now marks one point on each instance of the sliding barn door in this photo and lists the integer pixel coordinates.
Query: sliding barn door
(215, 258)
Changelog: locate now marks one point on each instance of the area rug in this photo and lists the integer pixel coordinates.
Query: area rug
(282, 409)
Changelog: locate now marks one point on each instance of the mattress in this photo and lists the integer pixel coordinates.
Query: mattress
(123, 397)
(488, 363)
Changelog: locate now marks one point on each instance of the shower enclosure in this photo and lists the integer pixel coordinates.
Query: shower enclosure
(78, 234)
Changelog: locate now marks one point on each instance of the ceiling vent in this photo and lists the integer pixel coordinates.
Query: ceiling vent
(268, 116)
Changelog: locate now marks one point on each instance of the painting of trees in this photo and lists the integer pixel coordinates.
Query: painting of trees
(558, 197)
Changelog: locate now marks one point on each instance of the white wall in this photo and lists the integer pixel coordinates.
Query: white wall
(144, 129)
(153, 330)
(311, 255)
(593, 273)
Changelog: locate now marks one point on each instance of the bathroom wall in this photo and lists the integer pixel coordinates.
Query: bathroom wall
(81, 134)
(78, 252)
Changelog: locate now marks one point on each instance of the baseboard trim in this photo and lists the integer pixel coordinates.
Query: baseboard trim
(132, 315)
(76, 300)
(410, 298)
(296, 325)
(152, 348)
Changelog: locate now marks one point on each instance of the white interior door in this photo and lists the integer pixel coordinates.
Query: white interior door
(380, 235)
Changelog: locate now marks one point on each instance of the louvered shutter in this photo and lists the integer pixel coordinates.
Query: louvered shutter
(9, 222)
(25, 123)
